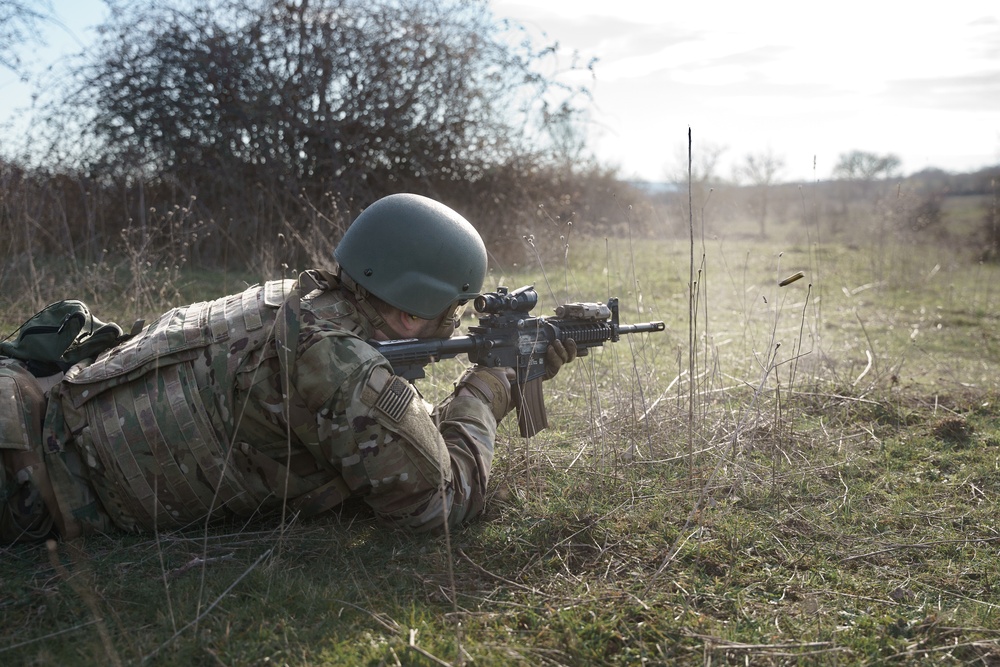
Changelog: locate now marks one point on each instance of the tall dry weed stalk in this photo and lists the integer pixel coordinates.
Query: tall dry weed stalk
(692, 315)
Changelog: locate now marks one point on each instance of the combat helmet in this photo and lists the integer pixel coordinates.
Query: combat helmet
(415, 254)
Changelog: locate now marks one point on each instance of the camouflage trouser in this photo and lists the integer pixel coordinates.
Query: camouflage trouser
(45, 490)
(25, 491)
(24, 516)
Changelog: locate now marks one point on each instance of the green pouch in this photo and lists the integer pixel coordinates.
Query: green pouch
(60, 335)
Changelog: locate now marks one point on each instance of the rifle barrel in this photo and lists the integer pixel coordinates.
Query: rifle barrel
(641, 328)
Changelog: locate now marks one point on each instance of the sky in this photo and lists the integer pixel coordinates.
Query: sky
(804, 81)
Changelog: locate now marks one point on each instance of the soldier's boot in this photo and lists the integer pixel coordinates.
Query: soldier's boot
(27, 499)
(24, 514)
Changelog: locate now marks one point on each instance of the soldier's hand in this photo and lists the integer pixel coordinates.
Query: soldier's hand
(557, 355)
(490, 385)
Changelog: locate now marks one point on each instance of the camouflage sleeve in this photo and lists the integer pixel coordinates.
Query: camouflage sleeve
(414, 467)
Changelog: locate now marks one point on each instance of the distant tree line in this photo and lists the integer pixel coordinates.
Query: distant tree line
(864, 198)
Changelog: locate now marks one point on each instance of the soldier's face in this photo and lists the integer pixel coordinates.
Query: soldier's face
(442, 327)
(445, 325)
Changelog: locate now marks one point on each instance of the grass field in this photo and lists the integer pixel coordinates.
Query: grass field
(817, 484)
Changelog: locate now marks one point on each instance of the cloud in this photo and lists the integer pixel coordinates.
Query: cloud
(962, 93)
(811, 81)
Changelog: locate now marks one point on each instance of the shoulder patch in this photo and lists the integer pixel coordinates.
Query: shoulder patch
(388, 393)
(395, 398)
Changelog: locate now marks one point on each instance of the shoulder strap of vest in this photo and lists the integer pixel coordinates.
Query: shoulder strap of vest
(286, 332)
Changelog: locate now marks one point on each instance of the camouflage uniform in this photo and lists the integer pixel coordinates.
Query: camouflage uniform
(251, 403)
(24, 489)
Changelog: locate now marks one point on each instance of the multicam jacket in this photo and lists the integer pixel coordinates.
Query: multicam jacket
(257, 402)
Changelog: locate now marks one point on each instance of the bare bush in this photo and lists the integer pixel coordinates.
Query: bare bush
(248, 108)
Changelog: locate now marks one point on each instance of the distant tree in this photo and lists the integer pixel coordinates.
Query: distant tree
(859, 174)
(19, 20)
(991, 222)
(701, 166)
(695, 175)
(863, 166)
(933, 178)
(761, 170)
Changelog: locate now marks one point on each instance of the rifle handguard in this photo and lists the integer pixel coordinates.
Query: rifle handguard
(490, 385)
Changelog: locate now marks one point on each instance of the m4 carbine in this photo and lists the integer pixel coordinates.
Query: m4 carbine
(509, 336)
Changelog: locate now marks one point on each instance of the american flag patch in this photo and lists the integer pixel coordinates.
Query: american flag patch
(395, 398)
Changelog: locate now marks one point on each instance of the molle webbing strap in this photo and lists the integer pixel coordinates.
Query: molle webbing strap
(172, 474)
(177, 330)
(119, 461)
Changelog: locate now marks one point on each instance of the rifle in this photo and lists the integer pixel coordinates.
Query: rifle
(508, 336)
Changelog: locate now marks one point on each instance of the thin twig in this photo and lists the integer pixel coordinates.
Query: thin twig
(910, 653)
(482, 570)
(919, 545)
(390, 625)
(197, 561)
(49, 636)
(430, 656)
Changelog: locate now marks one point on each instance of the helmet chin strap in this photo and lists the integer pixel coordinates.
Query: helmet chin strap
(447, 325)
(366, 308)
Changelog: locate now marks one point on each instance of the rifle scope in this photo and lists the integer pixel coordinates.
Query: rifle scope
(520, 300)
